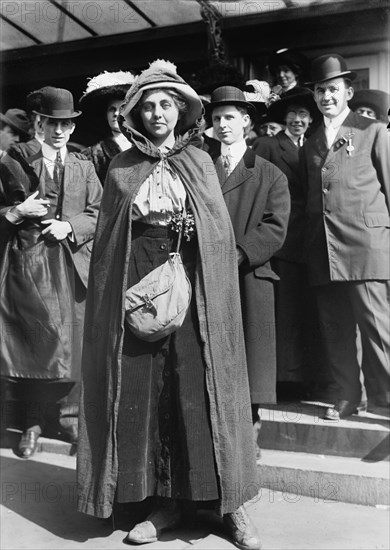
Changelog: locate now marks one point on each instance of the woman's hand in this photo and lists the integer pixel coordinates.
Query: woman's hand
(32, 207)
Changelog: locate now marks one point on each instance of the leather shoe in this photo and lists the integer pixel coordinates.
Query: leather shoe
(160, 520)
(28, 443)
(342, 409)
(240, 527)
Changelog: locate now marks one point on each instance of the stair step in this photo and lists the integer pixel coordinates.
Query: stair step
(300, 427)
(324, 478)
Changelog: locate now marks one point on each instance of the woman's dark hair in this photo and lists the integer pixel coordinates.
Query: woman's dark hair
(178, 99)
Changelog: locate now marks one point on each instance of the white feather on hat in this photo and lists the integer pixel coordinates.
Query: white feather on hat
(103, 82)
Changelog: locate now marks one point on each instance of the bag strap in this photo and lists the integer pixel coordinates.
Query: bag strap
(180, 235)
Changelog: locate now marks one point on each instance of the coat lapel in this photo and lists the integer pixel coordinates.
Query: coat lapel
(241, 173)
(289, 151)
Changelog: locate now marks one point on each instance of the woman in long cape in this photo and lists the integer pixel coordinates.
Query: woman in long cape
(170, 420)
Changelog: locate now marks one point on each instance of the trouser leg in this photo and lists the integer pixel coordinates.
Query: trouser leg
(371, 304)
(338, 330)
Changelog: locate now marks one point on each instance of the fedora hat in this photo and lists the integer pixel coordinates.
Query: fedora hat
(17, 120)
(298, 96)
(229, 95)
(56, 103)
(377, 100)
(106, 86)
(329, 66)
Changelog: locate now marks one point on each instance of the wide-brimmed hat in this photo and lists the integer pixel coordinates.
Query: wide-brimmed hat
(229, 95)
(298, 96)
(106, 86)
(57, 103)
(163, 74)
(377, 100)
(296, 61)
(17, 120)
(329, 66)
(257, 92)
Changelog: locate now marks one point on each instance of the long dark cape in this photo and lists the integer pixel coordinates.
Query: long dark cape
(218, 302)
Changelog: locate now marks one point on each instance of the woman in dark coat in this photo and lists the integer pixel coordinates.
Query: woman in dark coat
(101, 101)
(173, 421)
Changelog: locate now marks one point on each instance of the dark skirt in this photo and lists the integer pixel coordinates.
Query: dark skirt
(164, 438)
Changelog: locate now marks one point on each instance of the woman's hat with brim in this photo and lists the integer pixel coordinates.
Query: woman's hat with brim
(377, 100)
(17, 120)
(162, 74)
(327, 67)
(57, 103)
(296, 96)
(229, 95)
(296, 61)
(106, 86)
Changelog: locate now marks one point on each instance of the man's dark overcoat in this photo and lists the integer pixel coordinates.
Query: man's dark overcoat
(348, 198)
(257, 198)
(57, 353)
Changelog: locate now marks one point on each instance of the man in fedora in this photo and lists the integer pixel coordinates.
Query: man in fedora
(346, 177)
(14, 126)
(48, 214)
(294, 307)
(258, 201)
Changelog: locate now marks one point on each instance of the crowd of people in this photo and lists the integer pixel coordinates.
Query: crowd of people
(277, 198)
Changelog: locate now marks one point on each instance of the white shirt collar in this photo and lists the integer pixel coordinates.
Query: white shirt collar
(337, 121)
(297, 141)
(235, 150)
(50, 153)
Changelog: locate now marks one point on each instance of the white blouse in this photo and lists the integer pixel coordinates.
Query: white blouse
(160, 195)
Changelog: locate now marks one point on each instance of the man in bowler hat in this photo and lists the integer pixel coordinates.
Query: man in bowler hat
(257, 198)
(48, 212)
(14, 126)
(346, 177)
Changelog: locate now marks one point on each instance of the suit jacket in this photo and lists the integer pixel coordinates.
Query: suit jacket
(80, 207)
(281, 151)
(347, 202)
(25, 149)
(257, 198)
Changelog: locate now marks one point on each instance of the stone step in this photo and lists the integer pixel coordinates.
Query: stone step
(324, 478)
(300, 427)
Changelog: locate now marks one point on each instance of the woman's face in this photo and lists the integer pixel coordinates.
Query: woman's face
(159, 115)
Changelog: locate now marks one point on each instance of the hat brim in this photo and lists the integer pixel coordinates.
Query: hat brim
(117, 91)
(195, 105)
(245, 104)
(59, 115)
(13, 126)
(278, 110)
(351, 75)
(377, 100)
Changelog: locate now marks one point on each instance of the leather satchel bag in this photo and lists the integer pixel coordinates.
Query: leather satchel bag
(157, 305)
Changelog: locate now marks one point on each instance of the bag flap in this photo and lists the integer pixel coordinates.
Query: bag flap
(155, 283)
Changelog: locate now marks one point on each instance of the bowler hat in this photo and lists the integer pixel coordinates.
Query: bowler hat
(329, 66)
(296, 96)
(17, 120)
(377, 100)
(229, 95)
(33, 100)
(56, 103)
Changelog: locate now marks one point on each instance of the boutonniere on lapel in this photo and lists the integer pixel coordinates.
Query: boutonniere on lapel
(343, 140)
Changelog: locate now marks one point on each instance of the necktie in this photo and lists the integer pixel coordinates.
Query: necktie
(58, 169)
(227, 163)
(330, 134)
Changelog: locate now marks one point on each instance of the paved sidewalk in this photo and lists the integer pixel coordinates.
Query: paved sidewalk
(38, 512)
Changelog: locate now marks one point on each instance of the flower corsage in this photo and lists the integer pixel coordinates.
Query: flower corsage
(184, 221)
